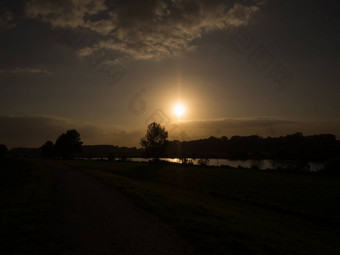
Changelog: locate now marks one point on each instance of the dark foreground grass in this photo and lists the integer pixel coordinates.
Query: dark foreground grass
(232, 211)
(25, 209)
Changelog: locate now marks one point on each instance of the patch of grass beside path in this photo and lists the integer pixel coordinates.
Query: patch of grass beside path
(26, 207)
(233, 211)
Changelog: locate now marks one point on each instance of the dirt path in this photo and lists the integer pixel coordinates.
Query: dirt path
(93, 218)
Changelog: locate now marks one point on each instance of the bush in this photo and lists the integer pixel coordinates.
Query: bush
(333, 165)
(3, 150)
(111, 157)
(69, 144)
(47, 150)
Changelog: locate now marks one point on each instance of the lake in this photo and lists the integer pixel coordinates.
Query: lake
(262, 164)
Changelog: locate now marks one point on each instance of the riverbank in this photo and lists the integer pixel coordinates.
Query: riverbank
(232, 211)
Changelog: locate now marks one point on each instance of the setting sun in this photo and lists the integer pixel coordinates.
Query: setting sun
(179, 110)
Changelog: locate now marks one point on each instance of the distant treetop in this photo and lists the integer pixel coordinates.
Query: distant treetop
(69, 144)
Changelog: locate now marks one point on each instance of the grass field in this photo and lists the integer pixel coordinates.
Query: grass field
(26, 207)
(218, 211)
(233, 211)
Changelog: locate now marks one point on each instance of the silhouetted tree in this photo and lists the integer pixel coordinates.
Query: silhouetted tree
(155, 140)
(3, 150)
(111, 157)
(47, 150)
(67, 145)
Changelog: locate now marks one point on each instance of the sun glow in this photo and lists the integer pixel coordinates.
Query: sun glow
(179, 110)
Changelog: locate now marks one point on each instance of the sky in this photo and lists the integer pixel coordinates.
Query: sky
(109, 68)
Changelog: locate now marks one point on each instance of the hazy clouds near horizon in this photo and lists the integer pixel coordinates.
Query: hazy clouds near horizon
(34, 131)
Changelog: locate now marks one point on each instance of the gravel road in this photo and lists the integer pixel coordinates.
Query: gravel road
(94, 218)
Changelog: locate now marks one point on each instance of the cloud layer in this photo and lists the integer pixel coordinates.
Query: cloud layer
(24, 70)
(143, 29)
(33, 131)
(253, 126)
(64, 13)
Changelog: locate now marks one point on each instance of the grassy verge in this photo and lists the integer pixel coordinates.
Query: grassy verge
(25, 196)
(233, 211)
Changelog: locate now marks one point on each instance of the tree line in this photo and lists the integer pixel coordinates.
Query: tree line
(155, 144)
(66, 146)
(295, 147)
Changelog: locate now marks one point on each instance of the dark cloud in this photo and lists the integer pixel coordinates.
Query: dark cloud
(6, 20)
(64, 13)
(143, 29)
